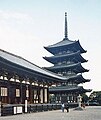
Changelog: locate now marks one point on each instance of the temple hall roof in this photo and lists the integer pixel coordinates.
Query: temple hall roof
(17, 60)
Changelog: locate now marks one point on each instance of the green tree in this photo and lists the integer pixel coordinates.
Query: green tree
(85, 98)
(96, 96)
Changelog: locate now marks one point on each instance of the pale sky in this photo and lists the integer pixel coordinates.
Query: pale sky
(26, 26)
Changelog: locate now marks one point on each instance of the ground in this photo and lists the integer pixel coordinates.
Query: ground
(89, 113)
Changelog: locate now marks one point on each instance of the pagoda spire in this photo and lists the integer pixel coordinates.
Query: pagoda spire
(66, 29)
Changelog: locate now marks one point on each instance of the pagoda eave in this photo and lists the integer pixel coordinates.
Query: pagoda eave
(61, 45)
(78, 79)
(76, 57)
(77, 68)
(80, 47)
(78, 89)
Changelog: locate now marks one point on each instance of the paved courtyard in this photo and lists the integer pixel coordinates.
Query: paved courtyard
(89, 113)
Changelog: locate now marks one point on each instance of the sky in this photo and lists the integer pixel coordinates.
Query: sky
(26, 26)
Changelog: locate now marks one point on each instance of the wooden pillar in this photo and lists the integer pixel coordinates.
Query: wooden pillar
(21, 94)
(9, 76)
(47, 94)
(8, 92)
(0, 95)
(30, 93)
(27, 92)
(38, 93)
(43, 92)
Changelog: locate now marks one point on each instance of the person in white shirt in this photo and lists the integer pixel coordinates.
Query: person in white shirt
(62, 107)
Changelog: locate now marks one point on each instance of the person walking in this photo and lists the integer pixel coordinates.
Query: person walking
(62, 107)
(67, 108)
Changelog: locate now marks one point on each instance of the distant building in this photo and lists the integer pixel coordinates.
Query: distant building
(66, 62)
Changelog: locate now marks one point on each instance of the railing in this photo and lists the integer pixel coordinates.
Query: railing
(19, 109)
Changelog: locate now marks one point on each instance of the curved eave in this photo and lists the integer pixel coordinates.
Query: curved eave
(85, 90)
(78, 89)
(78, 79)
(59, 58)
(65, 41)
(73, 45)
(77, 68)
(60, 45)
(63, 89)
(80, 47)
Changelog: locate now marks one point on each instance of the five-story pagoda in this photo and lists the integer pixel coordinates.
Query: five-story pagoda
(66, 62)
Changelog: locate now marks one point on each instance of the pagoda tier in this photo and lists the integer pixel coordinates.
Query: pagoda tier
(74, 57)
(67, 94)
(68, 89)
(68, 68)
(77, 79)
(65, 45)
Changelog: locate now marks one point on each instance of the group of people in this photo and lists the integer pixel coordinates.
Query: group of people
(63, 106)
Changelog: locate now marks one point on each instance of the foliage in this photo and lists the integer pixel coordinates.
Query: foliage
(85, 98)
(95, 96)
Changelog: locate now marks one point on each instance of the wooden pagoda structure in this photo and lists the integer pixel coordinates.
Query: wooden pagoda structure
(67, 60)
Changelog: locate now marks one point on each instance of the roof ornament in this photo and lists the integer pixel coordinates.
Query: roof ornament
(66, 30)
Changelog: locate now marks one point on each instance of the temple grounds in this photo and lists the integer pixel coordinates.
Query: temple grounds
(89, 113)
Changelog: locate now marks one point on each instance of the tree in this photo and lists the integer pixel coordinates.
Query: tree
(95, 96)
(85, 98)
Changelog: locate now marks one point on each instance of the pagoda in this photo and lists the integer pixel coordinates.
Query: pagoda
(67, 62)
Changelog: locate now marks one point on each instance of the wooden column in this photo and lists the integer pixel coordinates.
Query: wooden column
(43, 92)
(8, 92)
(21, 94)
(38, 93)
(47, 94)
(0, 94)
(30, 93)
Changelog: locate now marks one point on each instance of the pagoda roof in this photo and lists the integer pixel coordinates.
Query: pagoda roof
(14, 62)
(58, 89)
(65, 43)
(77, 68)
(55, 59)
(78, 79)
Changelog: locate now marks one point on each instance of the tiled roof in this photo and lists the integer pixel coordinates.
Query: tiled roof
(25, 63)
(69, 88)
(62, 43)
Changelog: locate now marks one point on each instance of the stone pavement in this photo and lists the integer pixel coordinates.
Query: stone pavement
(89, 113)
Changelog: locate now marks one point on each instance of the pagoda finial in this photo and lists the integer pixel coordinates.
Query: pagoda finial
(66, 31)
